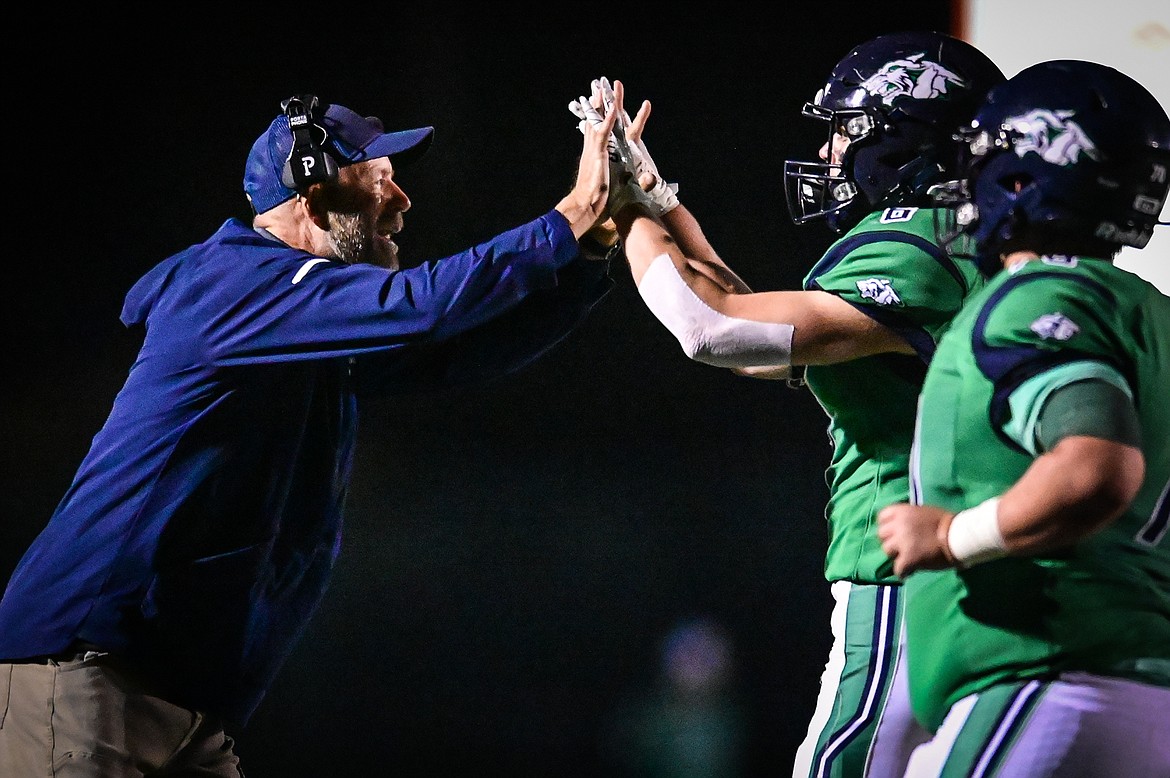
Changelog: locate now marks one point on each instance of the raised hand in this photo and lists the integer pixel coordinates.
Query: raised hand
(593, 111)
(589, 199)
(644, 169)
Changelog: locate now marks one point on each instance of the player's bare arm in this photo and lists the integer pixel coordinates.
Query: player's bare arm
(826, 329)
(1078, 488)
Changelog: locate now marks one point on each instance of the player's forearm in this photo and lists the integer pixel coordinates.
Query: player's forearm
(689, 235)
(691, 305)
(643, 240)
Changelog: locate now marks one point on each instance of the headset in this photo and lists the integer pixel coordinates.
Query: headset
(307, 163)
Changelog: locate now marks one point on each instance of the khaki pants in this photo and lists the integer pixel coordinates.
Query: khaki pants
(82, 717)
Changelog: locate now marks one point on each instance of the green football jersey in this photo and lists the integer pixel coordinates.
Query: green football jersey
(890, 267)
(1101, 606)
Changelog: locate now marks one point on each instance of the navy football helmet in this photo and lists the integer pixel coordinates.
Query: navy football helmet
(1067, 156)
(898, 98)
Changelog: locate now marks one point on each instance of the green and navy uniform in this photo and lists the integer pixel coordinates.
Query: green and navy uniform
(1005, 629)
(889, 267)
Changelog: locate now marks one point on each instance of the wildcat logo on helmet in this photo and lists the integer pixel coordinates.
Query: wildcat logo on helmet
(913, 77)
(1053, 135)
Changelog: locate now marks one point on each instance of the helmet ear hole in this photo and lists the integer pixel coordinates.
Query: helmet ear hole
(1015, 183)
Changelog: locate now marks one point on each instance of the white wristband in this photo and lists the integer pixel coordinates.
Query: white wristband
(974, 535)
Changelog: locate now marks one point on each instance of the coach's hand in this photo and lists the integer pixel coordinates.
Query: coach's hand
(587, 202)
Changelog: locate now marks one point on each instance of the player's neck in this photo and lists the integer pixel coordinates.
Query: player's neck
(1007, 260)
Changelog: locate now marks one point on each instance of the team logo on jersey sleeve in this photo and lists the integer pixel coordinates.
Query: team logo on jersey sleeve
(879, 290)
(913, 76)
(1054, 326)
(1053, 135)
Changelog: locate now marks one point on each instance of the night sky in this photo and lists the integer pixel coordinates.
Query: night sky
(516, 552)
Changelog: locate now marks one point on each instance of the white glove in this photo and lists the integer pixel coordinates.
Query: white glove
(619, 147)
(623, 182)
(624, 190)
(632, 154)
(664, 195)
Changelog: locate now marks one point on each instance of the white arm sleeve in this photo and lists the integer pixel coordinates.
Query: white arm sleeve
(706, 335)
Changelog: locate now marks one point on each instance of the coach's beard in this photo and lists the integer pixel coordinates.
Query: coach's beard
(353, 239)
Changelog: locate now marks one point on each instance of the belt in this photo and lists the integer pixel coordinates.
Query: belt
(78, 650)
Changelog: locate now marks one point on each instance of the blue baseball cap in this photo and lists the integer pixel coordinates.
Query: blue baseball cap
(349, 138)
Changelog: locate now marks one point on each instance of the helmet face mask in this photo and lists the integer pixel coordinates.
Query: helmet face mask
(897, 99)
(822, 189)
(953, 212)
(1067, 157)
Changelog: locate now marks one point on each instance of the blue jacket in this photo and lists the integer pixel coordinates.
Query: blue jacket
(200, 531)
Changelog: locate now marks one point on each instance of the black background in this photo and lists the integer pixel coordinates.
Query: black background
(515, 552)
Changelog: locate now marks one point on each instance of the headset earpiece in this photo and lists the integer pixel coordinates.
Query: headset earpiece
(307, 163)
